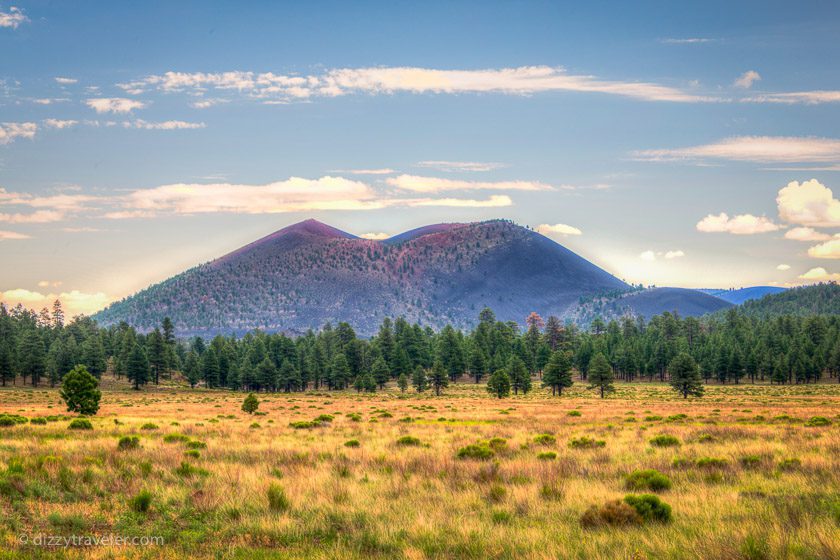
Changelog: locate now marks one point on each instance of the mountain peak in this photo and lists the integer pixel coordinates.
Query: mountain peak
(314, 227)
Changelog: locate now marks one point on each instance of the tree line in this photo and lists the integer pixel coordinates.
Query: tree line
(40, 348)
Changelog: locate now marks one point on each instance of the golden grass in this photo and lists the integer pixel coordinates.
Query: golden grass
(384, 500)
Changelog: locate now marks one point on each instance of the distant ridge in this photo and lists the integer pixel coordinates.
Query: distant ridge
(741, 295)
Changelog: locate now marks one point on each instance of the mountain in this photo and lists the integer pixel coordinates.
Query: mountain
(308, 274)
(737, 297)
(650, 302)
(819, 299)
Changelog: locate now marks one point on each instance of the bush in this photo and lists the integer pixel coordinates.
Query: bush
(303, 425)
(255, 426)
(128, 442)
(750, 461)
(664, 440)
(818, 422)
(7, 420)
(80, 424)
(584, 442)
(545, 439)
(141, 502)
(614, 512)
(791, 464)
(408, 440)
(250, 404)
(352, 443)
(479, 451)
(187, 470)
(175, 438)
(196, 444)
(649, 507)
(194, 453)
(497, 444)
(149, 426)
(355, 417)
(648, 479)
(277, 499)
(39, 421)
(547, 456)
(711, 463)
(79, 391)
(325, 418)
(574, 413)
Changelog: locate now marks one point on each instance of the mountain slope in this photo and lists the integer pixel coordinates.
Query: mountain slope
(819, 299)
(737, 297)
(308, 274)
(647, 303)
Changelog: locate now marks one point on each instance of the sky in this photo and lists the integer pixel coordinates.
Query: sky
(672, 144)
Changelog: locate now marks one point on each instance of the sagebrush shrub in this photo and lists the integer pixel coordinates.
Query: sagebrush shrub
(352, 443)
(664, 440)
(80, 424)
(128, 442)
(584, 442)
(818, 422)
(545, 439)
(408, 440)
(649, 507)
(141, 502)
(648, 479)
(479, 451)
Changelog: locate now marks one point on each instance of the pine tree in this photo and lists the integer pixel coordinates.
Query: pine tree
(402, 382)
(438, 378)
(210, 368)
(478, 364)
(499, 384)
(380, 372)
(339, 371)
(266, 374)
(192, 369)
(93, 355)
(7, 371)
(32, 357)
(156, 351)
(601, 374)
(79, 390)
(419, 380)
(137, 368)
(520, 377)
(685, 376)
(250, 404)
(558, 372)
(289, 377)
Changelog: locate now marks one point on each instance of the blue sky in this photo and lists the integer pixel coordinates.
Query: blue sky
(137, 140)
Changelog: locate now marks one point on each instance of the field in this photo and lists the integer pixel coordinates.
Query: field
(749, 478)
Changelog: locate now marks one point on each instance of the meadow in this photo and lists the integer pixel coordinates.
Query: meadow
(383, 475)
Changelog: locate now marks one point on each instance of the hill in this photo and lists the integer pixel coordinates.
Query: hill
(309, 273)
(647, 303)
(739, 296)
(819, 299)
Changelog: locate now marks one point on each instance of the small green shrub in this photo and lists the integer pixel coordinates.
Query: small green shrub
(40, 420)
(409, 441)
(584, 442)
(80, 424)
(649, 507)
(479, 451)
(194, 453)
(187, 470)
(175, 438)
(496, 494)
(128, 442)
(255, 426)
(325, 418)
(664, 440)
(750, 461)
(545, 439)
(711, 463)
(303, 425)
(547, 456)
(352, 443)
(790, 464)
(141, 502)
(818, 422)
(149, 426)
(196, 444)
(497, 443)
(277, 499)
(574, 413)
(648, 479)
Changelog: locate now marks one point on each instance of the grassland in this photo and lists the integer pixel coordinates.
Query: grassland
(213, 481)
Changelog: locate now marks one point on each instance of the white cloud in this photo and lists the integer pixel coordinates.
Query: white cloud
(63, 202)
(207, 103)
(808, 203)
(814, 97)
(39, 217)
(437, 184)
(375, 236)
(66, 81)
(742, 224)
(827, 250)
(11, 130)
(558, 229)
(165, 125)
(747, 79)
(379, 171)
(820, 274)
(686, 41)
(114, 104)
(494, 201)
(48, 283)
(58, 123)
(764, 149)
(460, 165)
(674, 254)
(9, 235)
(783, 267)
(74, 302)
(806, 234)
(524, 80)
(13, 18)
(648, 256)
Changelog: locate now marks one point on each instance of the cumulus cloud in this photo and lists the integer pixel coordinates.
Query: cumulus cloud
(674, 254)
(114, 104)
(66, 81)
(165, 125)
(74, 302)
(558, 229)
(207, 103)
(9, 131)
(12, 235)
(742, 224)
(809, 203)
(524, 80)
(763, 149)
(820, 274)
(441, 165)
(648, 256)
(58, 123)
(827, 250)
(13, 18)
(747, 79)
(783, 267)
(375, 236)
(436, 184)
(806, 234)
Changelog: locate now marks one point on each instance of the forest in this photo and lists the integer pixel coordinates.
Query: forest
(735, 347)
